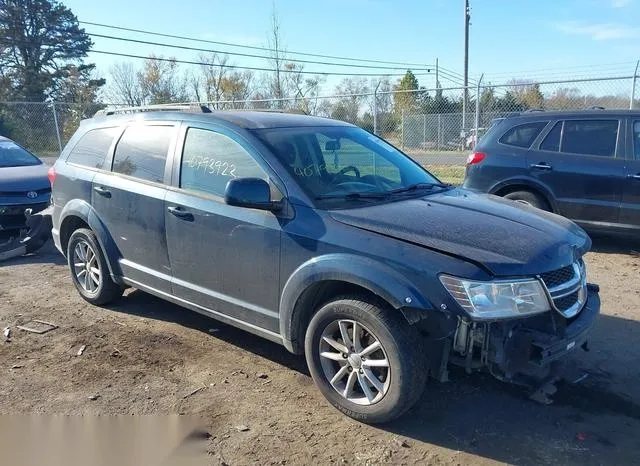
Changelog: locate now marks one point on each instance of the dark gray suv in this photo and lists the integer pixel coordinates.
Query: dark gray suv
(584, 165)
(324, 238)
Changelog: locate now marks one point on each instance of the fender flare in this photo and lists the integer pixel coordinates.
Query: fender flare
(531, 184)
(84, 211)
(379, 278)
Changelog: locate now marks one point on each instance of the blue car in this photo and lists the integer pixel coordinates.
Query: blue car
(24, 185)
(322, 237)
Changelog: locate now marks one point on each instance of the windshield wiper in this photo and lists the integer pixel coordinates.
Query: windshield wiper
(417, 186)
(350, 196)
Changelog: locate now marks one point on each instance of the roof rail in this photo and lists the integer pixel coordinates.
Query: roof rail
(296, 111)
(595, 107)
(154, 108)
(533, 110)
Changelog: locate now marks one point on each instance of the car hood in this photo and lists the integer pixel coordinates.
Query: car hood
(505, 238)
(29, 178)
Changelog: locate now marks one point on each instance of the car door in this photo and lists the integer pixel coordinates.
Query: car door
(581, 161)
(630, 207)
(129, 200)
(223, 258)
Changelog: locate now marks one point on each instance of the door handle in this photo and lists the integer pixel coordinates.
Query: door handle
(634, 177)
(102, 191)
(180, 213)
(542, 166)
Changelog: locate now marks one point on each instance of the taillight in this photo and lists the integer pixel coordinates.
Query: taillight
(476, 157)
(52, 176)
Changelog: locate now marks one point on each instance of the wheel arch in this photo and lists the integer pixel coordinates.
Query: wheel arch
(509, 186)
(318, 280)
(79, 214)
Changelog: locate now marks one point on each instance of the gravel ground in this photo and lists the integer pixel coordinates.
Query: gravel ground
(146, 356)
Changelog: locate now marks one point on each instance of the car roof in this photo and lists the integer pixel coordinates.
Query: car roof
(570, 113)
(247, 119)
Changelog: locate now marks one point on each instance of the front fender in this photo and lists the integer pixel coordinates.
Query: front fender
(84, 211)
(367, 273)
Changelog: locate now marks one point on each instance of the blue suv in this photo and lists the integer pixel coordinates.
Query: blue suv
(322, 237)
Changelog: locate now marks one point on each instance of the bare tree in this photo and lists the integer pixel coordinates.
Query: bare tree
(303, 89)
(161, 82)
(123, 86)
(278, 58)
(212, 74)
(237, 87)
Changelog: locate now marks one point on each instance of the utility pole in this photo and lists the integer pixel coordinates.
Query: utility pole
(465, 92)
(437, 77)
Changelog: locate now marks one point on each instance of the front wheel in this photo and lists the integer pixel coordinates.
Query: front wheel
(365, 359)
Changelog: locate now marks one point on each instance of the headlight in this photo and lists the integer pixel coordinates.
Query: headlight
(497, 299)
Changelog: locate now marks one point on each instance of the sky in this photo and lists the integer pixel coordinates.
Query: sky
(542, 40)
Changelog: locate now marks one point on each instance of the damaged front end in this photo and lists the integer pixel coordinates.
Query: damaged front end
(530, 350)
(23, 229)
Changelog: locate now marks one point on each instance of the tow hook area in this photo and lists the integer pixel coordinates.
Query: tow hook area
(530, 352)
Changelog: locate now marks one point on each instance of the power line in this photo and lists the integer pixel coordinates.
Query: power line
(230, 44)
(252, 68)
(540, 70)
(185, 47)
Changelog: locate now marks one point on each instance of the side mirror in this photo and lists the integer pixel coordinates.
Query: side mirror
(252, 193)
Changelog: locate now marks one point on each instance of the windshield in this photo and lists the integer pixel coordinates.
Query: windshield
(12, 155)
(345, 163)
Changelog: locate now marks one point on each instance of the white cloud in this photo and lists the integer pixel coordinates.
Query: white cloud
(620, 3)
(597, 31)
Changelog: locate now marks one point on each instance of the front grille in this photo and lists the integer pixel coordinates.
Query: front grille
(566, 302)
(557, 277)
(567, 288)
(40, 192)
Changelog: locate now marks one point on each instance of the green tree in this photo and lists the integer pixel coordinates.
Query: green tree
(78, 93)
(406, 96)
(39, 41)
(488, 99)
(532, 97)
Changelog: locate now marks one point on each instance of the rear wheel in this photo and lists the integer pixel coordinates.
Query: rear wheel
(365, 359)
(529, 198)
(89, 270)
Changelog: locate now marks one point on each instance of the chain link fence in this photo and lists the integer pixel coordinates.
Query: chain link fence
(434, 126)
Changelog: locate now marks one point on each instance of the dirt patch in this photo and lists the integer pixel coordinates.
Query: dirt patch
(143, 355)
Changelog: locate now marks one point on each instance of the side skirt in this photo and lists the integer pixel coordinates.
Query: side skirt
(269, 335)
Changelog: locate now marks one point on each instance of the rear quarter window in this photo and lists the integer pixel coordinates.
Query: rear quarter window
(92, 148)
(142, 152)
(523, 135)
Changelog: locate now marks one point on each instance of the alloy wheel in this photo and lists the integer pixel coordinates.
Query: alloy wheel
(354, 362)
(86, 267)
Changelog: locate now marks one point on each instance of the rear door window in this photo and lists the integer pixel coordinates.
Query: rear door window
(636, 140)
(523, 135)
(92, 148)
(552, 140)
(590, 137)
(142, 152)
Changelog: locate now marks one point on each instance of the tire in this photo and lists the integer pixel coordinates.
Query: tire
(400, 384)
(529, 198)
(98, 291)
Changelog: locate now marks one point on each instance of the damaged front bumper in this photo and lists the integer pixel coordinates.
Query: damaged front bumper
(19, 237)
(528, 351)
